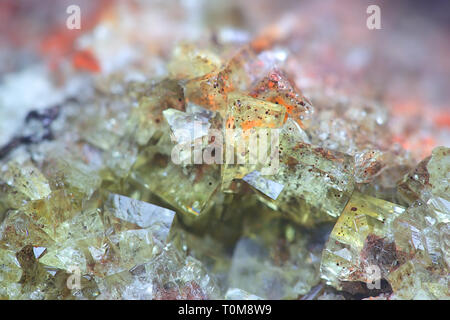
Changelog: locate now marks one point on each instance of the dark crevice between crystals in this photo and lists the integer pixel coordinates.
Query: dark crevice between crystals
(45, 118)
(10, 146)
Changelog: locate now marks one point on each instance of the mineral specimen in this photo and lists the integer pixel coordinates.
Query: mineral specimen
(359, 242)
(211, 175)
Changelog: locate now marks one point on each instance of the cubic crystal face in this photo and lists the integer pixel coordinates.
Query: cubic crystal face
(142, 214)
(358, 241)
(374, 240)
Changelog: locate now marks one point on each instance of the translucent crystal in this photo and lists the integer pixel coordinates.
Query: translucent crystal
(135, 246)
(317, 182)
(73, 238)
(26, 179)
(248, 123)
(40, 282)
(276, 88)
(138, 232)
(419, 233)
(65, 256)
(147, 119)
(190, 125)
(439, 170)
(19, 230)
(429, 178)
(270, 188)
(415, 185)
(51, 211)
(190, 62)
(245, 112)
(248, 66)
(374, 240)
(71, 174)
(239, 294)
(441, 207)
(240, 73)
(368, 164)
(209, 91)
(359, 241)
(273, 262)
(142, 214)
(413, 281)
(10, 274)
(170, 182)
(167, 276)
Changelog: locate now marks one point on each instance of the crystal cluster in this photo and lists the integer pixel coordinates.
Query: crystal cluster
(97, 207)
(406, 247)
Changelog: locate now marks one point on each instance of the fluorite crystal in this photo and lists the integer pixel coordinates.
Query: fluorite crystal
(245, 122)
(10, 274)
(189, 62)
(161, 188)
(375, 241)
(316, 183)
(277, 88)
(26, 179)
(359, 241)
(168, 276)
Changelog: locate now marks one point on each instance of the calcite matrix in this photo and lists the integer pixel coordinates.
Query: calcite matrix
(93, 204)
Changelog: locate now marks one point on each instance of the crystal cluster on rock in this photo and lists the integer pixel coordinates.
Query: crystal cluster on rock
(103, 209)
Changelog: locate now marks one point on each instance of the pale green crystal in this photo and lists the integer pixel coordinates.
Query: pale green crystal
(169, 181)
(190, 62)
(239, 294)
(52, 211)
(147, 119)
(18, 230)
(167, 276)
(429, 178)
(71, 174)
(138, 231)
(103, 194)
(407, 247)
(439, 170)
(317, 183)
(26, 179)
(363, 223)
(270, 260)
(248, 121)
(441, 207)
(10, 273)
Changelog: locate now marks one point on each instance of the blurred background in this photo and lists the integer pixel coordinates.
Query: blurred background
(405, 65)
